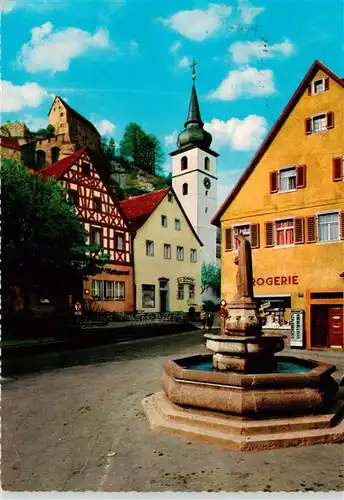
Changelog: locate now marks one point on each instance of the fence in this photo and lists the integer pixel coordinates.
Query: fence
(104, 318)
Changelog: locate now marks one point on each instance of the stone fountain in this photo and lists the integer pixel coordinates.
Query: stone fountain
(243, 396)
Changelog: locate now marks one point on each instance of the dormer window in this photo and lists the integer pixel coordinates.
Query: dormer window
(184, 163)
(206, 163)
(185, 188)
(319, 86)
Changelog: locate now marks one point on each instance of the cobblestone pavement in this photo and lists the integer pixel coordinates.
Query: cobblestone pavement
(82, 428)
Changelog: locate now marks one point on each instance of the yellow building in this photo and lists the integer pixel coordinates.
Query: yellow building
(166, 253)
(290, 203)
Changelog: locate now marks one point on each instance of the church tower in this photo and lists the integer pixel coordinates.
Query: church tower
(194, 178)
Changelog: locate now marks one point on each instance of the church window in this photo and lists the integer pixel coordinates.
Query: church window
(184, 163)
(206, 193)
(206, 163)
(185, 188)
(206, 210)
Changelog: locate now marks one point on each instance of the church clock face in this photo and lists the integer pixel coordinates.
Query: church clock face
(207, 183)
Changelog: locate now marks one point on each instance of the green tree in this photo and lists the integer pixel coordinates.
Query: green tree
(211, 278)
(44, 242)
(144, 150)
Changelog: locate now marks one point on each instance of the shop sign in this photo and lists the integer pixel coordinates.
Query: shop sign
(277, 280)
(115, 271)
(184, 280)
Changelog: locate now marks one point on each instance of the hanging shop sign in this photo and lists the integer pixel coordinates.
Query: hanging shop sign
(277, 280)
(184, 280)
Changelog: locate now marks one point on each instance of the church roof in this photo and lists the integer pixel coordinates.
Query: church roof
(58, 168)
(194, 114)
(316, 66)
(77, 115)
(138, 209)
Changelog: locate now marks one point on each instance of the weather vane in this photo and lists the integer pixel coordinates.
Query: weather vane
(193, 66)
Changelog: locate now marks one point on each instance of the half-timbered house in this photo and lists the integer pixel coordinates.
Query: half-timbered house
(103, 218)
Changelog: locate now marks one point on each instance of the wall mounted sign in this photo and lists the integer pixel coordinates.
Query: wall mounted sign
(184, 280)
(277, 280)
(115, 271)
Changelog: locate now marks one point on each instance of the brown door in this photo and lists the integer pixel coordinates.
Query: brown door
(335, 325)
(319, 326)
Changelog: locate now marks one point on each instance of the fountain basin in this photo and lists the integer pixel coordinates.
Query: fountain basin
(250, 395)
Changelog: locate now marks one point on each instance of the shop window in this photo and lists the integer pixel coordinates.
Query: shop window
(284, 232)
(167, 251)
(180, 253)
(180, 292)
(148, 296)
(185, 188)
(206, 163)
(105, 289)
(177, 224)
(193, 255)
(97, 205)
(164, 220)
(184, 163)
(150, 248)
(244, 230)
(328, 227)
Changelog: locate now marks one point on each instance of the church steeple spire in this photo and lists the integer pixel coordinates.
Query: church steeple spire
(194, 134)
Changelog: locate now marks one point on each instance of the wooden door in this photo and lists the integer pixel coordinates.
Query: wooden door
(335, 326)
(319, 326)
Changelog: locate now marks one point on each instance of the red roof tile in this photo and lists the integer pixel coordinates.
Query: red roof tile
(138, 208)
(10, 142)
(273, 132)
(60, 167)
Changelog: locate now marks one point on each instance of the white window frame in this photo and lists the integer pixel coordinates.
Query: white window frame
(177, 224)
(167, 251)
(150, 248)
(96, 230)
(291, 167)
(283, 219)
(97, 289)
(193, 255)
(191, 291)
(328, 212)
(120, 237)
(235, 227)
(313, 86)
(119, 287)
(109, 289)
(180, 292)
(313, 117)
(180, 253)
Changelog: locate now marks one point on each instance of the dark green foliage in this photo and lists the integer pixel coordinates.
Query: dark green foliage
(43, 133)
(211, 277)
(44, 243)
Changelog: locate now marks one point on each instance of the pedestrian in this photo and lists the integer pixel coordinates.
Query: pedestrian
(203, 318)
(210, 320)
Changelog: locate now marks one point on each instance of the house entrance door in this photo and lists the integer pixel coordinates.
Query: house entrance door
(319, 326)
(336, 326)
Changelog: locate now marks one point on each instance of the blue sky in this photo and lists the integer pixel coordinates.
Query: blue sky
(128, 60)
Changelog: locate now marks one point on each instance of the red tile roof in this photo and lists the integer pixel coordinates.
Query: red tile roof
(60, 167)
(139, 208)
(10, 143)
(273, 132)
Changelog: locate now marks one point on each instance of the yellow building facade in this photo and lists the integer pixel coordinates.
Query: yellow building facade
(166, 254)
(290, 204)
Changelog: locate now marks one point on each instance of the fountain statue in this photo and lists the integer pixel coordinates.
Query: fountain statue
(242, 396)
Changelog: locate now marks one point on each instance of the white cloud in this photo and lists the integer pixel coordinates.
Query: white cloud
(239, 135)
(105, 127)
(171, 139)
(245, 82)
(175, 47)
(17, 97)
(242, 52)
(184, 62)
(7, 6)
(198, 24)
(35, 122)
(53, 51)
(248, 12)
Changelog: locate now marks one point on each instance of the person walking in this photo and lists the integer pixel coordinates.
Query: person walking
(210, 320)
(203, 318)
